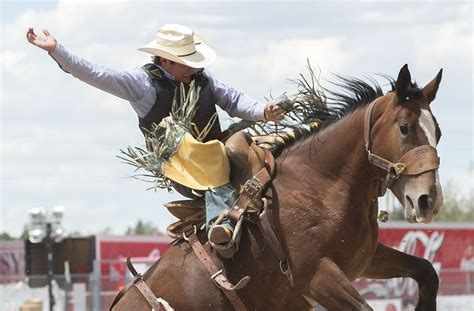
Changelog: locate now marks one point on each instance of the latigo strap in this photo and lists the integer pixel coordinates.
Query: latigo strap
(253, 186)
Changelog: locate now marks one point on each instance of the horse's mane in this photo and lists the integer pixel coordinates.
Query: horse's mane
(349, 95)
(352, 93)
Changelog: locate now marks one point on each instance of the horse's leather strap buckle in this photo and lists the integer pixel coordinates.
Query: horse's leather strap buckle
(398, 168)
(394, 173)
(251, 189)
(253, 186)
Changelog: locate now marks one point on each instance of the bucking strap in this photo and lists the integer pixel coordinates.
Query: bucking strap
(146, 292)
(148, 295)
(217, 275)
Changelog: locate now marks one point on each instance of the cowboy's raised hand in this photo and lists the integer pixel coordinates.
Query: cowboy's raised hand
(46, 42)
(273, 112)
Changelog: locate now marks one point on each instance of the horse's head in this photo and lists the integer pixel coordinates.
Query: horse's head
(406, 134)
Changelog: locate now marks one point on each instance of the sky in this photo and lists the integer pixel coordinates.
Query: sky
(60, 137)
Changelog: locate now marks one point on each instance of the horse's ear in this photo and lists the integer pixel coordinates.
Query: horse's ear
(431, 88)
(403, 82)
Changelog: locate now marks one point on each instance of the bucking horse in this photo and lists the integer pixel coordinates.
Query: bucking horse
(324, 212)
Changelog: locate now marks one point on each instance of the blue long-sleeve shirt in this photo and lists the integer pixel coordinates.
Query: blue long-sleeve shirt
(136, 86)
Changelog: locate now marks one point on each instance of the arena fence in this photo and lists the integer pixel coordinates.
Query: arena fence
(96, 291)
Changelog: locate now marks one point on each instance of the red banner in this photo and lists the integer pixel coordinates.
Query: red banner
(448, 247)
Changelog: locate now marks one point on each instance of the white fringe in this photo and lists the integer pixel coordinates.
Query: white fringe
(165, 305)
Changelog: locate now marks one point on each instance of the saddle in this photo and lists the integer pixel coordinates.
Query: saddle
(251, 170)
(246, 159)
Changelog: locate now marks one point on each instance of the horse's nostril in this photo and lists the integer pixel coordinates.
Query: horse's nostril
(424, 202)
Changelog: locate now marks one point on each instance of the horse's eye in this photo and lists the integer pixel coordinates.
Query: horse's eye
(404, 129)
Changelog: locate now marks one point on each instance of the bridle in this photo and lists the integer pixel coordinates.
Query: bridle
(416, 161)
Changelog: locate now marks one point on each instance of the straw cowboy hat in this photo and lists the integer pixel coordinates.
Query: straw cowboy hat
(180, 44)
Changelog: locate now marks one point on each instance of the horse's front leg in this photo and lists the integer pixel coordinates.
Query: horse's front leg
(331, 288)
(390, 263)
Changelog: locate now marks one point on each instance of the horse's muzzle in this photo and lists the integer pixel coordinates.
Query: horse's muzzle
(422, 207)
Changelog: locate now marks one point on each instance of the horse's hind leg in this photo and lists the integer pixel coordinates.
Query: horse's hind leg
(390, 263)
(331, 288)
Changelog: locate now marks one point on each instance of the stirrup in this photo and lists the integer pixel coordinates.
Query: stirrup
(228, 250)
(235, 236)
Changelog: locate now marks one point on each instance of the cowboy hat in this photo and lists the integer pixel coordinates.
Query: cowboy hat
(181, 45)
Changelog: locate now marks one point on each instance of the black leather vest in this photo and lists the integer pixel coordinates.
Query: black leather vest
(165, 92)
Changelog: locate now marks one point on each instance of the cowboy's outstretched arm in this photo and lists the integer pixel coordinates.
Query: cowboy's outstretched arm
(132, 85)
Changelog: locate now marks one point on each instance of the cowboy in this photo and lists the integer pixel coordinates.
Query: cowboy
(179, 56)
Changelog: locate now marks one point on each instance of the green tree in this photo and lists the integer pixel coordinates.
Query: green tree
(141, 228)
(24, 234)
(75, 233)
(455, 206)
(106, 231)
(4, 236)
(398, 213)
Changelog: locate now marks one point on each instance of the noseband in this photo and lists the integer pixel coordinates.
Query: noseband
(416, 161)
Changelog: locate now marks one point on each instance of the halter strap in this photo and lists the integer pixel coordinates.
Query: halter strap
(368, 124)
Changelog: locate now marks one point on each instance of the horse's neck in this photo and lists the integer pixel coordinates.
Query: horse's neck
(339, 153)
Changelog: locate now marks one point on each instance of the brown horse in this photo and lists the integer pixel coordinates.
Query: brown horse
(325, 212)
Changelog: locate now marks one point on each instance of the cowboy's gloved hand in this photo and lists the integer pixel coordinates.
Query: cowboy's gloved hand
(273, 112)
(47, 43)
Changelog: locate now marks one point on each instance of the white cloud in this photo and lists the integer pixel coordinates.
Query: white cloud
(287, 57)
(279, 61)
(59, 176)
(451, 40)
(378, 16)
(10, 59)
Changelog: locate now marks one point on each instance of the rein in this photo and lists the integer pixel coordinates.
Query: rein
(415, 161)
